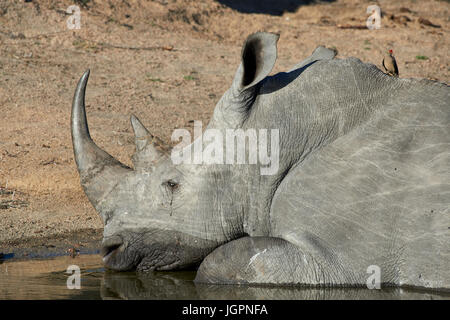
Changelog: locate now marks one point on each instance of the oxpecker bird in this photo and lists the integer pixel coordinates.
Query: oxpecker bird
(390, 65)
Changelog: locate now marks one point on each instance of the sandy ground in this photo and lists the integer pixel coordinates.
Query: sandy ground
(168, 62)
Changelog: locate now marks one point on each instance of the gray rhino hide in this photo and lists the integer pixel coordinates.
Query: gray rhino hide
(379, 195)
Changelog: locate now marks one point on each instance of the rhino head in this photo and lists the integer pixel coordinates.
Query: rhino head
(160, 215)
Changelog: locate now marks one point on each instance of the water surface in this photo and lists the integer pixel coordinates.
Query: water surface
(47, 279)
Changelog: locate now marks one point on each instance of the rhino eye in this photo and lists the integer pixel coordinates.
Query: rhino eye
(172, 185)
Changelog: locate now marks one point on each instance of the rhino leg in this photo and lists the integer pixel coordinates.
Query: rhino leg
(260, 260)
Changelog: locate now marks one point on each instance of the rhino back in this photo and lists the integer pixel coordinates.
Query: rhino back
(378, 192)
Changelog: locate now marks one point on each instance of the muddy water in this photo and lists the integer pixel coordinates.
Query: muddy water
(47, 279)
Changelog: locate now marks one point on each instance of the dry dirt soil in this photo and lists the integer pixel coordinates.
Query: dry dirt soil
(168, 62)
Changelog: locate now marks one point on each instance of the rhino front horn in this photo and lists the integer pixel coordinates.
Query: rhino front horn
(99, 171)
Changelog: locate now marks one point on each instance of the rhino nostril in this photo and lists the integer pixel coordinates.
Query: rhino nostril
(110, 245)
(107, 250)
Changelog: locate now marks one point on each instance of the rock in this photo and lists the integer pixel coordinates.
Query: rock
(426, 22)
(405, 10)
(400, 19)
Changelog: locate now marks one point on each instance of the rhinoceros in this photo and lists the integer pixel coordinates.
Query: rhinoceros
(361, 194)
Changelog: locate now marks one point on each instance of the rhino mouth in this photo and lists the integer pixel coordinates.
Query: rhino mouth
(164, 263)
(119, 256)
(155, 250)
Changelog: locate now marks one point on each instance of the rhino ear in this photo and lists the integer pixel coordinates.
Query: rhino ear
(258, 57)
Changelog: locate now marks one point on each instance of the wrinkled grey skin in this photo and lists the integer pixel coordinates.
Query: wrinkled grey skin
(363, 180)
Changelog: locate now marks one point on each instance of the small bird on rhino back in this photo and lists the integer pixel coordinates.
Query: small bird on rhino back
(390, 65)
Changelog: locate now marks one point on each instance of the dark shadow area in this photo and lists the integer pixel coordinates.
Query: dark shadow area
(272, 7)
(282, 79)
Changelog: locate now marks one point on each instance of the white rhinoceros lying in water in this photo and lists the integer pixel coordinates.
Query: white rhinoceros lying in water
(361, 192)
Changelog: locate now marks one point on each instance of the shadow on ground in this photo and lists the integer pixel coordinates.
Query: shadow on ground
(275, 8)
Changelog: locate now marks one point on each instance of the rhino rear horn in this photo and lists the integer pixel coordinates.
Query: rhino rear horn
(141, 133)
(99, 171)
(149, 149)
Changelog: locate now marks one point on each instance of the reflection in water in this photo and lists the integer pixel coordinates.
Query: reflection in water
(179, 285)
(46, 279)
